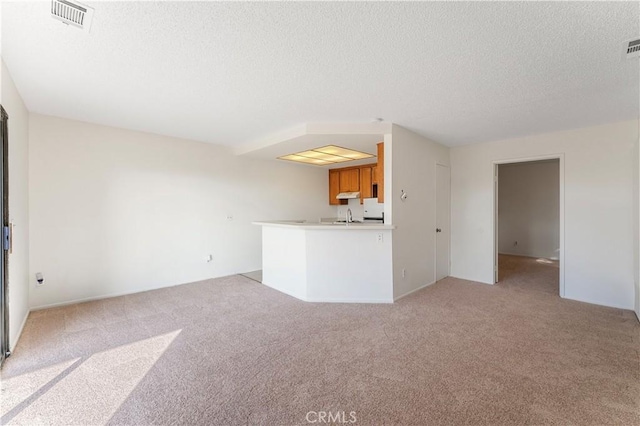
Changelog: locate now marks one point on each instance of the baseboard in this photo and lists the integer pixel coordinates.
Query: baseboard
(15, 340)
(311, 300)
(376, 301)
(288, 293)
(529, 255)
(87, 299)
(598, 303)
(395, 299)
(109, 296)
(472, 280)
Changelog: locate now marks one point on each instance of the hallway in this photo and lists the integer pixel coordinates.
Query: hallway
(529, 273)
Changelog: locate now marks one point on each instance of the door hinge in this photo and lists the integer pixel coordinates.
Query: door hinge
(6, 238)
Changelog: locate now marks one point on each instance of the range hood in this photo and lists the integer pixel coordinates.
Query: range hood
(347, 195)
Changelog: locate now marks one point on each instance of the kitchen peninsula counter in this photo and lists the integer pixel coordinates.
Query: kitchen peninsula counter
(327, 262)
(327, 225)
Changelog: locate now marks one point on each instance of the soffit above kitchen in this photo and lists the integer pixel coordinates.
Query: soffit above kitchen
(230, 73)
(360, 137)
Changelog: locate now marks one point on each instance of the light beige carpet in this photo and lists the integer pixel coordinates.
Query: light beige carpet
(529, 273)
(231, 351)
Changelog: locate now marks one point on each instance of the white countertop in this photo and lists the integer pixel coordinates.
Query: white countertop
(325, 225)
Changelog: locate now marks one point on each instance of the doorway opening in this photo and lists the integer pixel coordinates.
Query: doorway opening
(529, 223)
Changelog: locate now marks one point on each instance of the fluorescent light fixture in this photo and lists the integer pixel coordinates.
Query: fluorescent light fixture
(294, 157)
(343, 152)
(329, 154)
(323, 156)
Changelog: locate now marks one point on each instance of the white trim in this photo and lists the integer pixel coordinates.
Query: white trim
(109, 296)
(308, 300)
(472, 280)
(560, 157)
(599, 303)
(377, 301)
(284, 291)
(395, 299)
(527, 255)
(15, 340)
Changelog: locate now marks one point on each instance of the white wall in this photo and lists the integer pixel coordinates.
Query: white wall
(413, 169)
(18, 125)
(361, 267)
(116, 211)
(284, 260)
(598, 176)
(323, 264)
(529, 209)
(357, 210)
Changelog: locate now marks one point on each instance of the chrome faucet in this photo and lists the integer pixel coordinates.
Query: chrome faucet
(349, 218)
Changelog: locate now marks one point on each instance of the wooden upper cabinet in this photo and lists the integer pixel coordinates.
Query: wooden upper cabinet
(350, 180)
(334, 186)
(366, 184)
(380, 170)
(374, 175)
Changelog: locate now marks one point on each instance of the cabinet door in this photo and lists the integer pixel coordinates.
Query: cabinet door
(380, 172)
(374, 174)
(350, 180)
(334, 186)
(366, 186)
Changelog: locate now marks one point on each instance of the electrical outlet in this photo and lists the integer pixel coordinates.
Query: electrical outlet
(380, 238)
(209, 258)
(515, 243)
(404, 272)
(39, 279)
(229, 217)
(340, 212)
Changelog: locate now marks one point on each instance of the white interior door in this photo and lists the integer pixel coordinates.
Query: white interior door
(443, 219)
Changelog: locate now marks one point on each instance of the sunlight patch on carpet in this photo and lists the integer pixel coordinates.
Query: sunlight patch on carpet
(93, 391)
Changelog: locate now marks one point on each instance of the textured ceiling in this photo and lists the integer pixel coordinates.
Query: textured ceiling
(233, 73)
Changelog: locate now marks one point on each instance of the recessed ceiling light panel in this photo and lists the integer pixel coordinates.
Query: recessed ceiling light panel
(323, 156)
(344, 152)
(299, 159)
(329, 154)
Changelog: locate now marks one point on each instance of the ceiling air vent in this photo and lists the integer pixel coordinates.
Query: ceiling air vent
(72, 13)
(632, 48)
